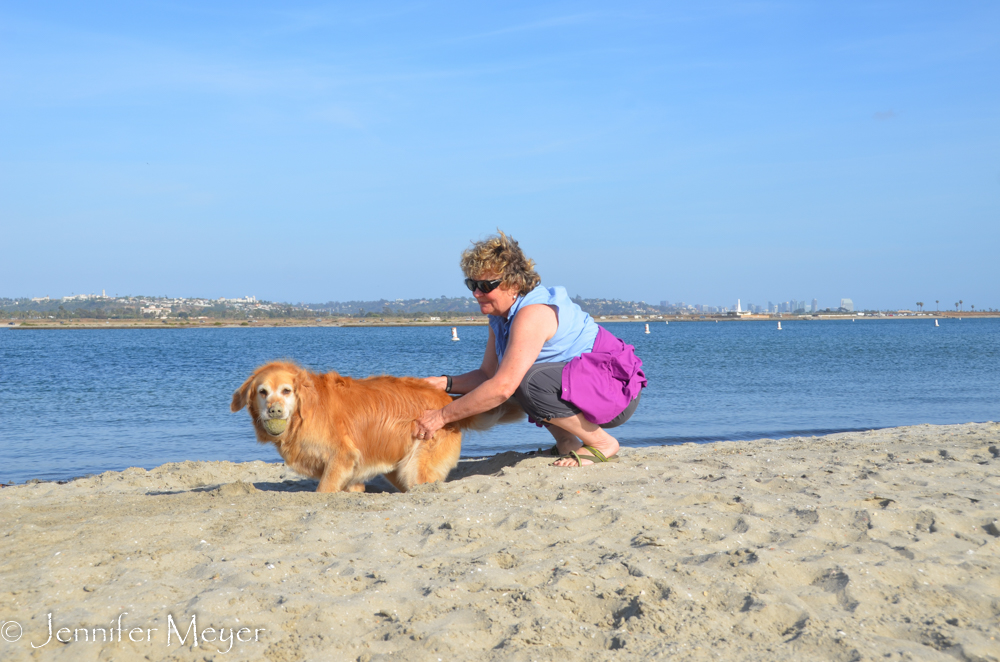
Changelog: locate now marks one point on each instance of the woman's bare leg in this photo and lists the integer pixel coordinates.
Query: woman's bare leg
(574, 432)
(565, 442)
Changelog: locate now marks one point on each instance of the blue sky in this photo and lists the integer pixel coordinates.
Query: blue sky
(693, 152)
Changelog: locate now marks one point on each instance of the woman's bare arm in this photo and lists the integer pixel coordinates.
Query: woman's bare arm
(532, 327)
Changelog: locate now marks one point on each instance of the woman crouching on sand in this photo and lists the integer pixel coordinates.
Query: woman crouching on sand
(569, 374)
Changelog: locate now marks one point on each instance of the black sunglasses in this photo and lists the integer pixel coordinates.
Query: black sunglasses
(484, 286)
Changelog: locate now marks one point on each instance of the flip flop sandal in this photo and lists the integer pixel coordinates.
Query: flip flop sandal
(597, 457)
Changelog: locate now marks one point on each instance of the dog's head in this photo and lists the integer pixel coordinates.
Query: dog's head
(273, 395)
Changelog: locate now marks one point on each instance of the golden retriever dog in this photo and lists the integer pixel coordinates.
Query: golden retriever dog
(345, 431)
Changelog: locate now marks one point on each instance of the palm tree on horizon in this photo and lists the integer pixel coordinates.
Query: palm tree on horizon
(960, 302)
(920, 305)
(937, 304)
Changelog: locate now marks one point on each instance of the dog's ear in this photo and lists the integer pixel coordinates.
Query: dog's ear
(241, 397)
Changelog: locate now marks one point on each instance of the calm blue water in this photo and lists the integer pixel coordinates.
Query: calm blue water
(80, 402)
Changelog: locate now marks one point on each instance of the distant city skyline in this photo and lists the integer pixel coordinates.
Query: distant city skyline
(788, 306)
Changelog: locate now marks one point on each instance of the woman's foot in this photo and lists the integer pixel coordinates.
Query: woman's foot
(576, 434)
(579, 458)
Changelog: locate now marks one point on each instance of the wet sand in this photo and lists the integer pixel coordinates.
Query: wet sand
(860, 546)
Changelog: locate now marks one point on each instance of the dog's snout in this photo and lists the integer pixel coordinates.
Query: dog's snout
(276, 410)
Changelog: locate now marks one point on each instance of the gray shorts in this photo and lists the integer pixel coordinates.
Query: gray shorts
(539, 395)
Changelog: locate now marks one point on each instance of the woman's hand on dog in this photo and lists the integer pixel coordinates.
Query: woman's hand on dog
(428, 424)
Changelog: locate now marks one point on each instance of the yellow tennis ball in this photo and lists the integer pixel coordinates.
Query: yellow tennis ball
(276, 425)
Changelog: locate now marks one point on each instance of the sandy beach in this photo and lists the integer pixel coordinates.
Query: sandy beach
(879, 545)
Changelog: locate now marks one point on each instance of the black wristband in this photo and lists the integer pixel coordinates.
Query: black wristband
(447, 387)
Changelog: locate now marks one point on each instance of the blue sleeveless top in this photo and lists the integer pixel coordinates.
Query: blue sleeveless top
(574, 336)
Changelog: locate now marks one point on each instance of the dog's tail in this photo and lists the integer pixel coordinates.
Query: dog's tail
(507, 412)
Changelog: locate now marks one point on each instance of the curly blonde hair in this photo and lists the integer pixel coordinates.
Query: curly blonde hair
(500, 255)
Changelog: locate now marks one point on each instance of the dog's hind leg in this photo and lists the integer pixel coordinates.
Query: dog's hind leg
(436, 460)
(407, 473)
(428, 461)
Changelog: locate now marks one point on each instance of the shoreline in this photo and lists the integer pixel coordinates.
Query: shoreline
(46, 325)
(863, 545)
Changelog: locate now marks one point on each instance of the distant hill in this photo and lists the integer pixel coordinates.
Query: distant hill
(466, 305)
(598, 307)
(91, 306)
(145, 307)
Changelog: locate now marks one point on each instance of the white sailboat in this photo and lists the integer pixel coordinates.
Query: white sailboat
(779, 326)
(454, 333)
(936, 323)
